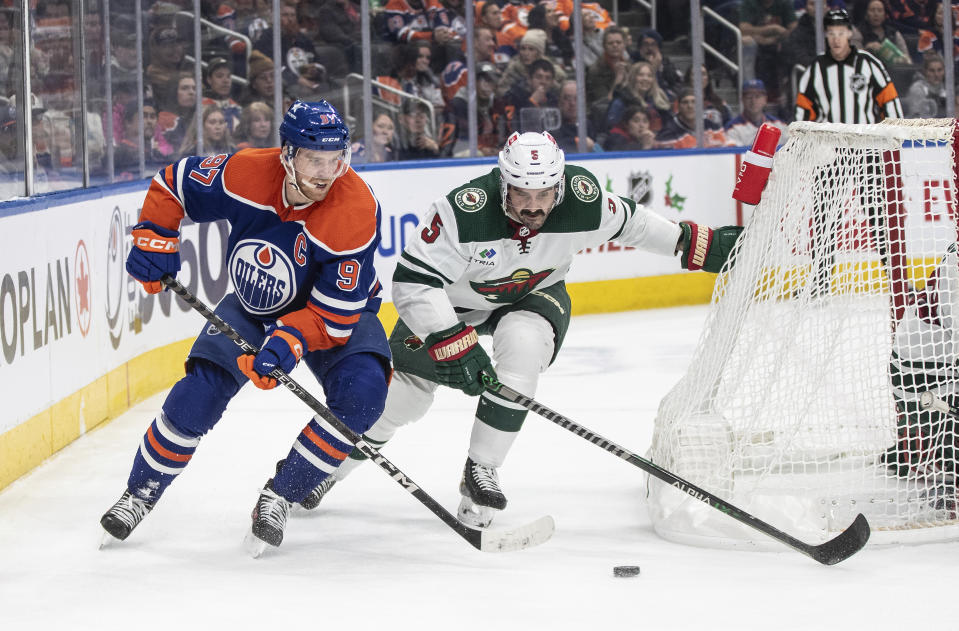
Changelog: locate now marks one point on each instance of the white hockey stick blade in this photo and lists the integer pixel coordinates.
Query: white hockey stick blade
(527, 536)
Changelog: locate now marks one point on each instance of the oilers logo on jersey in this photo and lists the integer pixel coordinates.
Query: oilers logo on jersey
(263, 276)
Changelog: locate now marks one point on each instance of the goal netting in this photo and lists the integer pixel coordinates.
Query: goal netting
(800, 404)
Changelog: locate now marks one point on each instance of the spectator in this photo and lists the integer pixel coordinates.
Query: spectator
(166, 58)
(302, 76)
(490, 118)
(926, 97)
(911, 15)
(609, 71)
(669, 78)
(679, 131)
(632, 133)
(765, 25)
(260, 79)
(7, 55)
(741, 130)
(218, 88)
(340, 26)
(531, 48)
(714, 107)
(123, 60)
(412, 71)
(126, 154)
(450, 16)
(216, 134)
(799, 47)
(491, 16)
(567, 135)
(546, 18)
(592, 39)
(641, 90)
(881, 38)
(415, 140)
(534, 106)
(256, 129)
(931, 39)
(379, 148)
(177, 109)
(408, 20)
(332, 56)
(454, 75)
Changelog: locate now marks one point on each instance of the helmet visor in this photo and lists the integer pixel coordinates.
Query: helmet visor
(320, 165)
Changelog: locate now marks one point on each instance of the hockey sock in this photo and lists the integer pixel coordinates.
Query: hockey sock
(316, 453)
(164, 453)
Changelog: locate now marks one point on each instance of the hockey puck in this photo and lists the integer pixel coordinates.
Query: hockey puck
(626, 570)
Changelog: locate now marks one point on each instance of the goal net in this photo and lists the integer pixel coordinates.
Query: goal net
(800, 405)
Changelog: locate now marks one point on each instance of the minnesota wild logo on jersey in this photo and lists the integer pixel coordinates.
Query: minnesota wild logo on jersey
(510, 288)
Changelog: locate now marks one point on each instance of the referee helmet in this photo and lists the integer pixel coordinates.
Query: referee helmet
(836, 17)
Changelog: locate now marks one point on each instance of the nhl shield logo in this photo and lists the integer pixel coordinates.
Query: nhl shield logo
(470, 199)
(584, 189)
(858, 83)
(641, 186)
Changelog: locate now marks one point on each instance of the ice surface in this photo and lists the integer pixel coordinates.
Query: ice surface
(372, 557)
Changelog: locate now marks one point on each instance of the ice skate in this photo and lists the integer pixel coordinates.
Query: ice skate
(313, 500)
(123, 517)
(482, 496)
(269, 517)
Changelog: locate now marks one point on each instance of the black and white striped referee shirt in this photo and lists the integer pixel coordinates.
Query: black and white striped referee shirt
(855, 90)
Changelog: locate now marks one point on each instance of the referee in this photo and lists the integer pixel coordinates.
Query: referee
(845, 85)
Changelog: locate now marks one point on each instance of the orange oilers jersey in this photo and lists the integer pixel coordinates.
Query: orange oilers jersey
(307, 266)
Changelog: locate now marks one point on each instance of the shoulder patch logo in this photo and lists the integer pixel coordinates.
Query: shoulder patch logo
(470, 199)
(584, 189)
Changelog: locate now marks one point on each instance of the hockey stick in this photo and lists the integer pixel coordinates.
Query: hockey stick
(928, 400)
(837, 549)
(525, 536)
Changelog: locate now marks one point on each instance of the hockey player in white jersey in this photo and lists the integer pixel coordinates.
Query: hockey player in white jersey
(471, 271)
(924, 354)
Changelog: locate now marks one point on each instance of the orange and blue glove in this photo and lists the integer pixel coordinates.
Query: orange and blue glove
(283, 349)
(155, 253)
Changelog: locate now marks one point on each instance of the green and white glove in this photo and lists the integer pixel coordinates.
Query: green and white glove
(460, 360)
(705, 248)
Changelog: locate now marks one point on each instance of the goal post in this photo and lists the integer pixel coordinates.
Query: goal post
(799, 404)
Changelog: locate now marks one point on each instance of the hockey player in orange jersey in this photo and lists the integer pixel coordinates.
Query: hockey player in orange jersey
(303, 231)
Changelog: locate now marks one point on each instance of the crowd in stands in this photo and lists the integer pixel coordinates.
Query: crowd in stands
(637, 98)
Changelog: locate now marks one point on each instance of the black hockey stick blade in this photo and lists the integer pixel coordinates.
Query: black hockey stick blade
(844, 545)
(841, 547)
(506, 540)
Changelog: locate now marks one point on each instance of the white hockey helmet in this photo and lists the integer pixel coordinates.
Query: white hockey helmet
(532, 160)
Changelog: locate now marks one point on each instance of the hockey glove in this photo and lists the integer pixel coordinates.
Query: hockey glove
(460, 360)
(706, 249)
(155, 252)
(283, 349)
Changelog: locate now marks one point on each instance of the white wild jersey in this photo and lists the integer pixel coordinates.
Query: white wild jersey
(467, 258)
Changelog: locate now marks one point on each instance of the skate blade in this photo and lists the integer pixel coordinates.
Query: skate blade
(473, 514)
(106, 540)
(253, 545)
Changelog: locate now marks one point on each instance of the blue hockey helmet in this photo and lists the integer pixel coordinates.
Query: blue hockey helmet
(316, 126)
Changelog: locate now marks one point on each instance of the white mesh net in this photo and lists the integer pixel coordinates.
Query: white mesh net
(800, 405)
